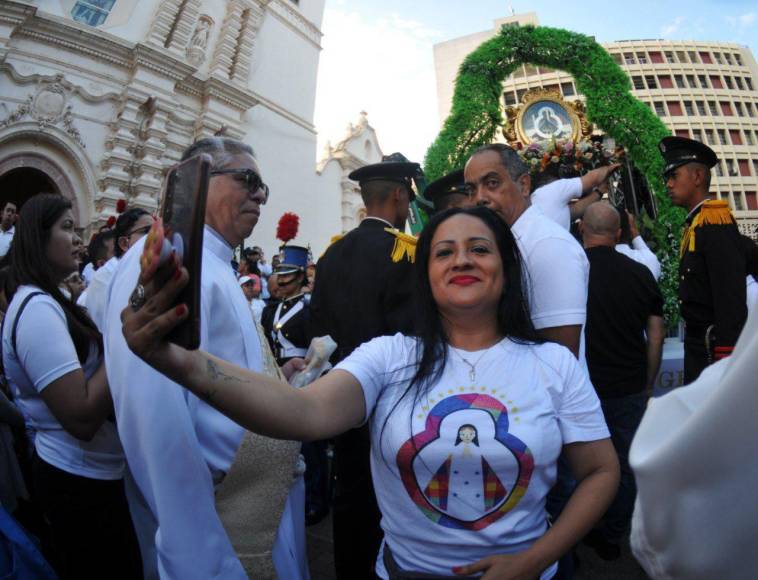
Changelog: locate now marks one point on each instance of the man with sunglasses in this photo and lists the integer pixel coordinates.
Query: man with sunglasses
(209, 500)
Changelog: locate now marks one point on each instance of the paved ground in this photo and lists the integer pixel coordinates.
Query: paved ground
(321, 558)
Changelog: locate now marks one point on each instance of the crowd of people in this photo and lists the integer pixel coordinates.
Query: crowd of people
(487, 384)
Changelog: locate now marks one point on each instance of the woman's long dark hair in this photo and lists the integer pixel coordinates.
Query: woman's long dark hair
(29, 265)
(513, 320)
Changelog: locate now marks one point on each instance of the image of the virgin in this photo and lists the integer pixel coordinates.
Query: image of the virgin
(466, 473)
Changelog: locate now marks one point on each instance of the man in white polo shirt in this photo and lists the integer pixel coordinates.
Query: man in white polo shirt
(7, 228)
(557, 270)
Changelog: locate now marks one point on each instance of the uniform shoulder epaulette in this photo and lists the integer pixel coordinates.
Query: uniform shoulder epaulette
(335, 238)
(712, 212)
(405, 246)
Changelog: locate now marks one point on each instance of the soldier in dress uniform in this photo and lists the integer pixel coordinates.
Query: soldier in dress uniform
(285, 323)
(447, 191)
(713, 266)
(363, 289)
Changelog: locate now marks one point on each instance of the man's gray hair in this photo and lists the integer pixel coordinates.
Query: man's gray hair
(219, 148)
(509, 158)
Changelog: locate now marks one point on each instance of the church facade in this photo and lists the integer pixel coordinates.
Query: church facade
(98, 98)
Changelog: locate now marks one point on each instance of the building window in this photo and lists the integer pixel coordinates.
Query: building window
(749, 138)
(730, 170)
(693, 56)
(675, 108)
(715, 82)
(738, 107)
(728, 58)
(712, 108)
(679, 79)
(709, 137)
(697, 135)
(703, 81)
(655, 57)
(520, 94)
(728, 81)
(670, 57)
(755, 166)
(688, 108)
(681, 56)
(749, 83)
(665, 81)
(738, 82)
(638, 83)
(691, 81)
(700, 108)
(737, 201)
(749, 109)
(738, 59)
(659, 110)
(617, 57)
(568, 89)
(719, 169)
(744, 167)
(726, 108)
(682, 133)
(752, 202)
(641, 58)
(629, 58)
(734, 135)
(510, 98)
(650, 80)
(92, 12)
(706, 58)
(722, 141)
(717, 56)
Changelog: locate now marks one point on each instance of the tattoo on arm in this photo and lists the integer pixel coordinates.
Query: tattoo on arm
(216, 374)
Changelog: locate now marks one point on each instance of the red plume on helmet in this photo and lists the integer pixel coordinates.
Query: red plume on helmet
(286, 229)
(111, 221)
(120, 206)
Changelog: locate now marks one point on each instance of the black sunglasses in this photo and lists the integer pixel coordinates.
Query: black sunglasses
(252, 180)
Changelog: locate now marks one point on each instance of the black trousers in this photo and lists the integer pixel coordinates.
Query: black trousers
(355, 516)
(695, 358)
(92, 532)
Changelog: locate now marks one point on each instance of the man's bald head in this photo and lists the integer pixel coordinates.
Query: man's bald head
(601, 225)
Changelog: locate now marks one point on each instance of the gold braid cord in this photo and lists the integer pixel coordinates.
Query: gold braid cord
(405, 246)
(713, 212)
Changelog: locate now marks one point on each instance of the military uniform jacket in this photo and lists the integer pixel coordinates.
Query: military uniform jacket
(712, 274)
(360, 291)
(294, 328)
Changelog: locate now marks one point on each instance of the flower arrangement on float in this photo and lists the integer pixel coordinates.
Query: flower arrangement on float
(567, 157)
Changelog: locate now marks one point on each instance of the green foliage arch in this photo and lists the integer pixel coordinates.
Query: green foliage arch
(476, 115)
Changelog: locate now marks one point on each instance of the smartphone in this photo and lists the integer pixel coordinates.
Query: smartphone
(182, 209)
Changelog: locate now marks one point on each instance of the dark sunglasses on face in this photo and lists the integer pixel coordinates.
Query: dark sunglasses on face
(252, 180)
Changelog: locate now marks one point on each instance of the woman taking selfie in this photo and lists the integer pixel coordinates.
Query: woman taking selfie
(467, 418)
(52, 354)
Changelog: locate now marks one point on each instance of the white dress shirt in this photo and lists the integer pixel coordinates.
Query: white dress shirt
(639, 252)
(6, 237)
(554, 199)
(175, 443)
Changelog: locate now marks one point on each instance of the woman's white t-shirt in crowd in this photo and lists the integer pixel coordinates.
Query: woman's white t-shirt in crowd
(464, 473)
(44, 353)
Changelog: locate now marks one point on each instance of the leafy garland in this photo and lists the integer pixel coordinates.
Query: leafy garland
(476, 116)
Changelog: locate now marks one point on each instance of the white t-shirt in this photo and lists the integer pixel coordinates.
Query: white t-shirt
(44, 353)
(555, 197)
(88, 272)
(96, 298)
(470, 479)
(6, 237)
(639, 252)
(557, 272)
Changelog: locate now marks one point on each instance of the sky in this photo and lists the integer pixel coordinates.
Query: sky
(377, 54)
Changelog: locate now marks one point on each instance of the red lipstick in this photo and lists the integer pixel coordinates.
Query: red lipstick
(463, 280)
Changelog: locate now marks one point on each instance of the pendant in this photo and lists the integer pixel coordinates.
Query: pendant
(472, 374)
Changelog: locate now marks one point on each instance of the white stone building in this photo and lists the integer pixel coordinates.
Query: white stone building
(99, 97)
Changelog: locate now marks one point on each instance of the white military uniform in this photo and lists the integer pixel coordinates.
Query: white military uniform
(179, 448)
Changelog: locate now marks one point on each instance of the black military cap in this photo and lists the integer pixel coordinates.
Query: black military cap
(390, 169)
(450, 184)
(678, 151)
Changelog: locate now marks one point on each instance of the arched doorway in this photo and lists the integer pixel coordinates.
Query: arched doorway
(18, 185)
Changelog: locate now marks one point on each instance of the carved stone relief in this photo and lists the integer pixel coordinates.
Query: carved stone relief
(198, 44)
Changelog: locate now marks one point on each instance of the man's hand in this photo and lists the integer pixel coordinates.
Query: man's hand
(503, 567)
(633, 231)
(292, 366)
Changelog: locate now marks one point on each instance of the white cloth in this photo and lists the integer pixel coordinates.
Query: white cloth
(556, 272)
(447, 500)
(44, 353)
(696, 467)
(752, 293)
(6, 237)
(177, 445)
(88, 271)
(266, 270)
(639, 252)
(256, 307)
(96, 298)
(554, 199)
